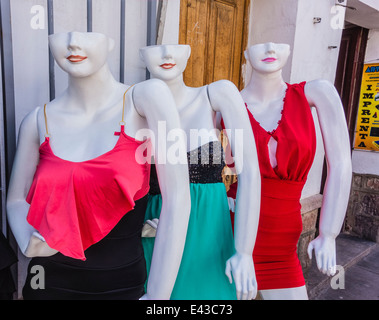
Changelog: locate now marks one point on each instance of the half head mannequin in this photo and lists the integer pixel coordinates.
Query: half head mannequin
(96, 117)
(265, 95)
(197, 107)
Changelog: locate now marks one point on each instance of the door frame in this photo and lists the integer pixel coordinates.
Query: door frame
(349, 73)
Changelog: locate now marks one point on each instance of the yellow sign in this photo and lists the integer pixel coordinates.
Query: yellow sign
(367, 130)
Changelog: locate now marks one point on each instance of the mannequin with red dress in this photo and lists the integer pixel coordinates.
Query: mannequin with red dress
(281, 119)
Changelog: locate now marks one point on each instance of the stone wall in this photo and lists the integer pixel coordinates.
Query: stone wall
(362, 218)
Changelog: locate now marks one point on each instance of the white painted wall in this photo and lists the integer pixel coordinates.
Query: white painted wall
(30, 59)
(135, 38)
(367, 162)
(372, 50)
(312, 58)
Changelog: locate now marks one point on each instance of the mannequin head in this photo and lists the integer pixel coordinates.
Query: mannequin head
(80, 54)
(268, 57)
(166, 62)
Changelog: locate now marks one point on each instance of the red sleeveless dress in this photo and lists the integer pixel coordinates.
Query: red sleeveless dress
(275, 253)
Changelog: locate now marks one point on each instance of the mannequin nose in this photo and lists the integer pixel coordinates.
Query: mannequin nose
(270, 47)
(167, 53)
(74, 40)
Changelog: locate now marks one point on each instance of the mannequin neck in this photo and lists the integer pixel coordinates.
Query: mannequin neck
(92, 92)
(264, 86)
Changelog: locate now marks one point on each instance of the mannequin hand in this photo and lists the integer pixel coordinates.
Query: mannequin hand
(232, 204)
(153, 223)
(325, 253)
(150, 227)
(242, 268)
(38, 247)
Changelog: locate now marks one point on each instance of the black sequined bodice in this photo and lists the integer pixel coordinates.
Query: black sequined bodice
(205, 165)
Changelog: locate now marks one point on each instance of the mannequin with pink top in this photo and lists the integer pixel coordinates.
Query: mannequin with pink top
(77, 193)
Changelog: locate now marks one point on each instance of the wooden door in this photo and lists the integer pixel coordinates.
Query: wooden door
(349, 72)
(215, 30)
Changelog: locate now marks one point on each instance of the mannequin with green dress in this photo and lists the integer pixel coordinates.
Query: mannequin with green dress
(215, 265)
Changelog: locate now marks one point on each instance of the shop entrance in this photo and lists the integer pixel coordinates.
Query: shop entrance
(349, 72)
(349, 77)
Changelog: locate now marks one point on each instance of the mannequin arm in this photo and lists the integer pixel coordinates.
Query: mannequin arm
(154, 101)
(226, 99)
(324, 97)
(24, 166)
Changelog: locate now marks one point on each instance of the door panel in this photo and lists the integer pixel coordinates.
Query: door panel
(215, 31)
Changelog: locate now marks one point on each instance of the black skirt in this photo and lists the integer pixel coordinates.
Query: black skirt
(114, 268)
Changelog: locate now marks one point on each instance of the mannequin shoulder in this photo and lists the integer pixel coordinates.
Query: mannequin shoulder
(30, 121)
(153, 97)
(223, 93)
(29, 126)
(222, 87)
(320, 90)
(150, 89)
(153, 92)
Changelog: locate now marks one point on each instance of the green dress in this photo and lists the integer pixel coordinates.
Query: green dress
(209, 243)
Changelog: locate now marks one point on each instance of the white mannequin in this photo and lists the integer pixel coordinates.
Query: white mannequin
(90, 108)
(168, 62)
(264, 97)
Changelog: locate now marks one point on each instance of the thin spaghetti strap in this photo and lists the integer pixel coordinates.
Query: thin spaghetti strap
(122, 123)
(47, 134)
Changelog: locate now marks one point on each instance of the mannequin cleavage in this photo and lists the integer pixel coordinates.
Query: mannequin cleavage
(269, 117)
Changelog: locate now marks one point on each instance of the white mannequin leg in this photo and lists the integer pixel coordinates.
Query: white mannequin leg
(298, 293)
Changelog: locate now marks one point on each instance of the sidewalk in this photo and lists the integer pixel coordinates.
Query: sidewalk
(360, 261)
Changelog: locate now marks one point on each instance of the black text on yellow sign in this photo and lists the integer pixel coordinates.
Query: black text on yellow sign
(367, 130)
